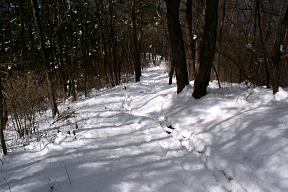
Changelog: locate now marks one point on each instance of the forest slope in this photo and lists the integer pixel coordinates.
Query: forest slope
(143, 137)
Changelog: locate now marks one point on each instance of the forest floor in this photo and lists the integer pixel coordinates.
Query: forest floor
(142, 137)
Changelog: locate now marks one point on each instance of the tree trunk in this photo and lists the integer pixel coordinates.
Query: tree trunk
(190, 41)
(218, 66)
(278, 52)
(207, 49)
(171, 68)
(177, 44)
(136, 48)
(112, 40)
(3, 118)
(263, 44)
(23, 48)
(84, 53)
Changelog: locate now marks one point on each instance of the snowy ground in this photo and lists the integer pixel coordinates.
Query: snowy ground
(235, 139)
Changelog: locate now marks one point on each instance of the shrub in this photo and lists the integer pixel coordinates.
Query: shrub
(26, 95)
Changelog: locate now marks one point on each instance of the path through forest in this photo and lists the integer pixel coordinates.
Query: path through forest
(143, 137)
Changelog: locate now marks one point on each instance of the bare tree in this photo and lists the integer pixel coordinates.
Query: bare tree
(191, 48)
(278, 51)
(177, 44)
(3, 117)
(207, 49)
(136, 47)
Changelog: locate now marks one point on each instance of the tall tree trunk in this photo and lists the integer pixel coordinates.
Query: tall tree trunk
(136, 48)
(51, 90)
(191, 42)
(177, 44)
(83, 49)
(218, 66)
(3, 118)
(278, 51)
(23, 48)
(207, 49)
(71, 71)
(171, 68)
(262, 44)
(112, 40)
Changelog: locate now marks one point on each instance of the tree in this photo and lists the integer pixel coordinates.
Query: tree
(207, 49)
(177, 44)
(190, 41)
(3, 117)
(136, 47)
(278, 51)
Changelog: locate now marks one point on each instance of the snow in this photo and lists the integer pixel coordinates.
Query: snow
(143, 137)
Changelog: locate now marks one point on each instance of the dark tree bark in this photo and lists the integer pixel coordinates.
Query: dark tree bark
(278, 52)
(207, 49)
(3, 118)
(23, 48)
(218, 66)
(263, 44)
(115, 63)
(177, 44)
(136, 48)
(84, 53)
(191, 43)
(171, 68)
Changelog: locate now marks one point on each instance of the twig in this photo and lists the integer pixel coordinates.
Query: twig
(64, 115)
(249, 95)
(228, 177)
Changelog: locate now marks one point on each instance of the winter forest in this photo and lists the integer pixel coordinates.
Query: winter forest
(143, 95)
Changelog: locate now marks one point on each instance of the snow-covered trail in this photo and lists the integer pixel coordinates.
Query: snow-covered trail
(234, 139)
(114, 149)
